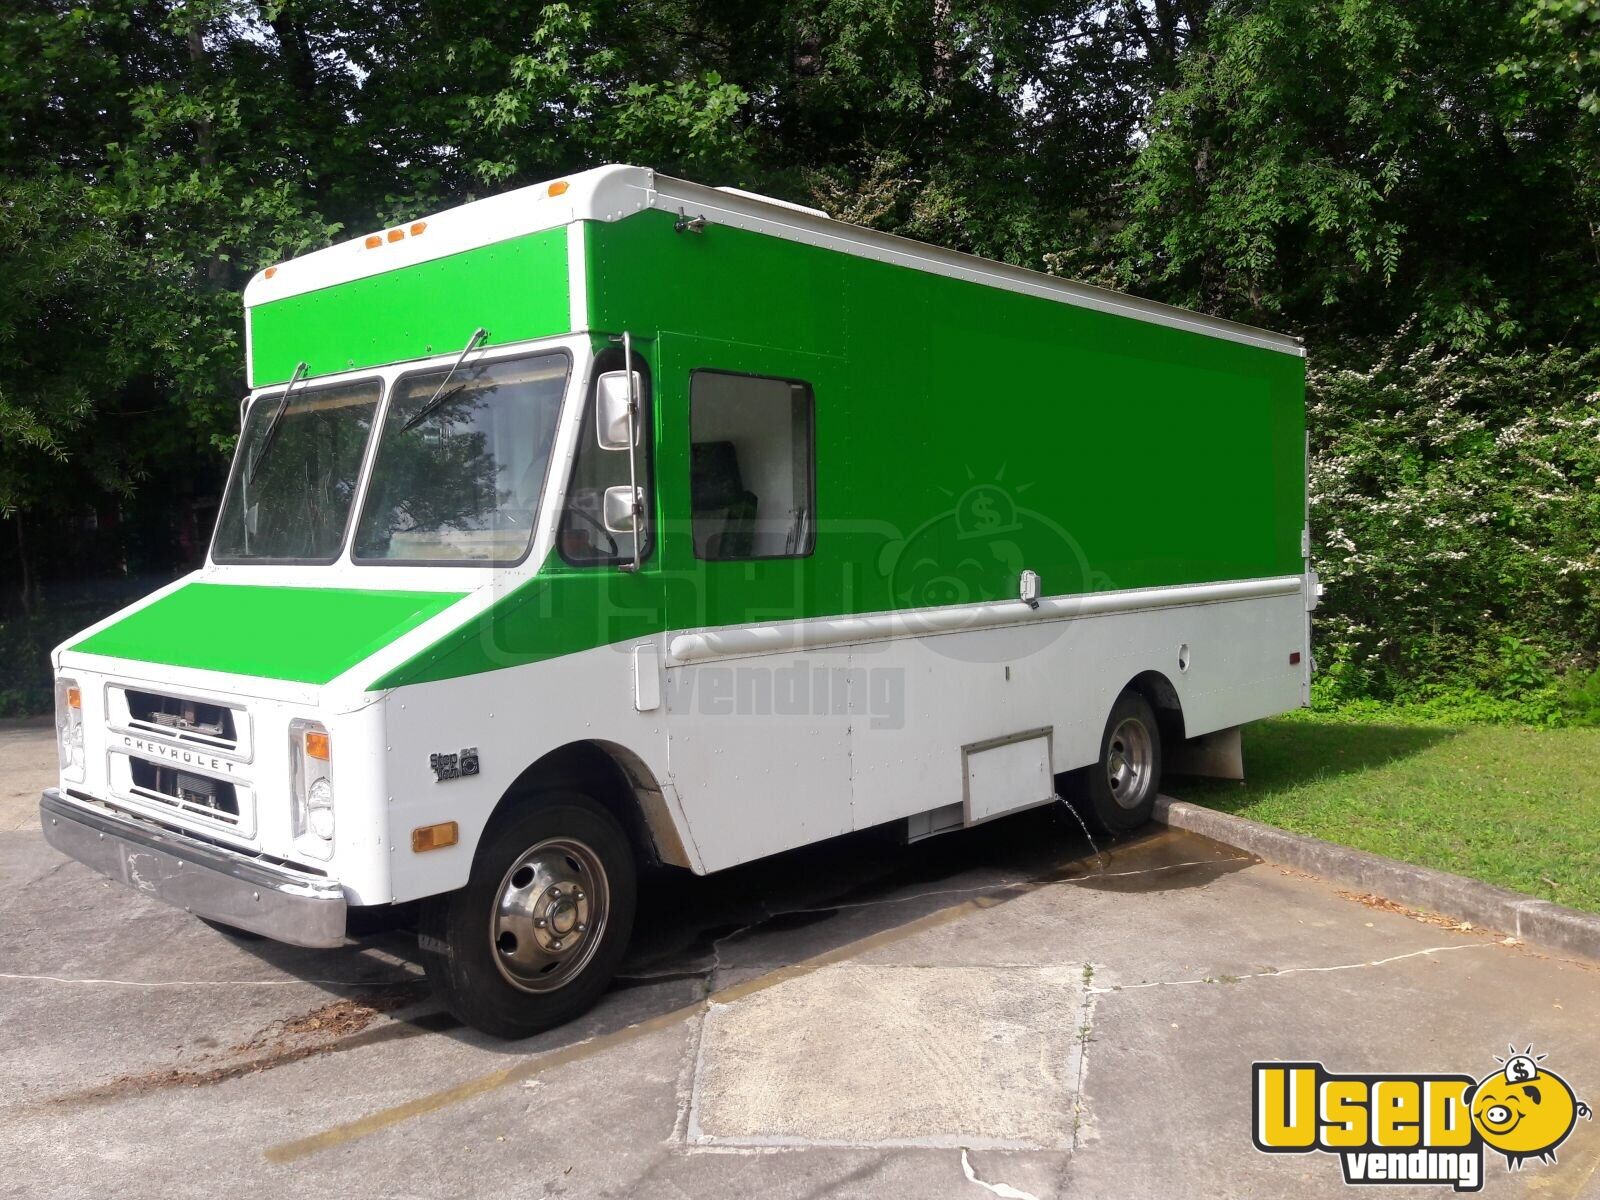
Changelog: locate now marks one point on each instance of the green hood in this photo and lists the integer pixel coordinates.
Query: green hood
(301, 634)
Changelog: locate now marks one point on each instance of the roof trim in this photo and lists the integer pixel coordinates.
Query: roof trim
(603, 194)
(744, 211)
(612, 193)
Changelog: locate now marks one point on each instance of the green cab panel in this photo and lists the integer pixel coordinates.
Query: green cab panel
(305, 635)
(514, 290)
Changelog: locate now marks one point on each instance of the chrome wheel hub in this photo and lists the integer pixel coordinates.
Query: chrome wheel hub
(1130, 763)
(550, 914)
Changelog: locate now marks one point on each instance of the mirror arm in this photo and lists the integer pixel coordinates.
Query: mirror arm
(633, 446)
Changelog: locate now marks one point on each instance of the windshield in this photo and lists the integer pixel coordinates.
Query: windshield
(461, 462)
(290, 494)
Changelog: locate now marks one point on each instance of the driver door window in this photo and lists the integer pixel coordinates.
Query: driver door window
(583, 539)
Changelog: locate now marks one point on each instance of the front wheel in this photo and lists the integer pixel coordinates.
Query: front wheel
(1118, 793)
(541, 926)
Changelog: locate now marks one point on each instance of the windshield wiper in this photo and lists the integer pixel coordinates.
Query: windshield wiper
(440, 397)
(272, 426)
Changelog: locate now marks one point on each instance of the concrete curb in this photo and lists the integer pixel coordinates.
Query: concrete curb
(1454, 896)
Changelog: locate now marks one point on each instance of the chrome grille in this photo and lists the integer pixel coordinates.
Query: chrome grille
(197, 795)
(188, 720)
(204, 722)
(181, 756)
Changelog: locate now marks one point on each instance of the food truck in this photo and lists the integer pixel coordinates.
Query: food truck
(620, 521)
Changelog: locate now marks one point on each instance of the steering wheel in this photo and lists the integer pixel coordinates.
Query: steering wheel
(612, 550)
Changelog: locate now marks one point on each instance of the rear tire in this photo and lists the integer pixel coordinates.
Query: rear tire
(1118, 793)
(536, 935)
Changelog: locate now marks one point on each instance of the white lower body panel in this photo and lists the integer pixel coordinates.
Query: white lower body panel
(774, 750)
(760, 744)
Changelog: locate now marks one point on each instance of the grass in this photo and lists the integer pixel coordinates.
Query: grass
(1517, 807)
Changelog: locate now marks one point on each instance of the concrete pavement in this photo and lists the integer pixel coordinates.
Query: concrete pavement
(997, 1012)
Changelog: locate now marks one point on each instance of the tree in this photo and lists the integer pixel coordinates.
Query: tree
(1341, 166)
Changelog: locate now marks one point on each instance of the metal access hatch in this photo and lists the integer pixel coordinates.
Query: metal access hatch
(1004, 774)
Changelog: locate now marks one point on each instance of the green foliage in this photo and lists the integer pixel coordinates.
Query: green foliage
(1580, 698)
(1455, 507)
(1342, 166)
(27, 685)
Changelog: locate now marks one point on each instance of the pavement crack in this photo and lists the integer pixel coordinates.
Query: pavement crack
(1276, 972)
(1085, 1029)
(1003, 1190)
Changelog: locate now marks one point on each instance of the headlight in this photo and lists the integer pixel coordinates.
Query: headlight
(69, 727)
(311, 762)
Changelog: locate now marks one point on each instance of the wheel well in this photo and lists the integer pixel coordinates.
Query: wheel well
(1161, 696)
(614, 777)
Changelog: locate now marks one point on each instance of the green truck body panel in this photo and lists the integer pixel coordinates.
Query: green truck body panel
(305, 635)
(560, 611)
(515, 290)
(963, 433)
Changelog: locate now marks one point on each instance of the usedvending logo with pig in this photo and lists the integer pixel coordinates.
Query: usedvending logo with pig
(1428, 1128)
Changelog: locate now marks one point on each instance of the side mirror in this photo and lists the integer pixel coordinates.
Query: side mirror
(617, 510)
(611, 403)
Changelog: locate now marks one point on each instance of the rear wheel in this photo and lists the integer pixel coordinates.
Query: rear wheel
(537, 933)
(1119, 792)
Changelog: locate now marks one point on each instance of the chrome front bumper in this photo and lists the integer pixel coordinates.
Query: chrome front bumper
(274, 901)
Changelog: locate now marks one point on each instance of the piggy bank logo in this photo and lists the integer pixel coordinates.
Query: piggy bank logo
(986, 511)
(962, 570)
(1523, 1110)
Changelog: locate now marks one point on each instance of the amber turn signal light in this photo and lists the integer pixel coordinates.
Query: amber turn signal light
(74, 698)
(317, 745)
(435, 837)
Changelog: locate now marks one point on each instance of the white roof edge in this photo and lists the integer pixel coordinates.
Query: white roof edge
(789, 204)
(613, 192)
(603, 194)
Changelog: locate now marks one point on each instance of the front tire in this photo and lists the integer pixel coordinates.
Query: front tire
(1118, 793)
(542, 925)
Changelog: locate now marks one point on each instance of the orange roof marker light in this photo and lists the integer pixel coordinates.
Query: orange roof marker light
(373, 241)
(559, 188)
(417, 227)
(396, 234)
(271, 271)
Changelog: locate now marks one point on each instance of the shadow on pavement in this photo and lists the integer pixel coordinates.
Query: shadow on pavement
(693, 934)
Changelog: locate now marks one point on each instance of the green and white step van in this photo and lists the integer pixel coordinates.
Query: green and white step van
(620, 521)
